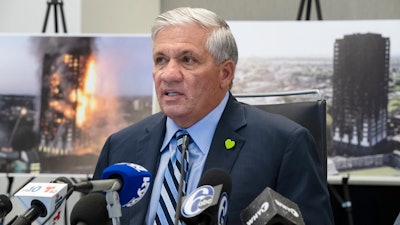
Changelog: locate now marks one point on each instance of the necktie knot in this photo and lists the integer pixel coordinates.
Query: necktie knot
(179, 133)
(182, 139)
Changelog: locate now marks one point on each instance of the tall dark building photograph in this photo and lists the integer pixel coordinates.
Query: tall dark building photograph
(360, 95)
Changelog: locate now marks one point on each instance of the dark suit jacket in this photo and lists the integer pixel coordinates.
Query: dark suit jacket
(270, 151)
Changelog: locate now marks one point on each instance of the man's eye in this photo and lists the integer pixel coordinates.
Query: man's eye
(188, 59)
(160, 60)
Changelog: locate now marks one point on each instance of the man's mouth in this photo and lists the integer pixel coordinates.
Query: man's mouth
(171, 93)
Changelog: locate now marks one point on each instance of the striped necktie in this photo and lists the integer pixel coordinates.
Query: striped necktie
(172, 178)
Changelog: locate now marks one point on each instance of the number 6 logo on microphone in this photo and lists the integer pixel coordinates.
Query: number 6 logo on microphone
(199, 200)
(223, 209)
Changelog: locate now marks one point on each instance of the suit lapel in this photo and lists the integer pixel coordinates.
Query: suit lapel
(149, 145)
(148, 156)
(227, 143)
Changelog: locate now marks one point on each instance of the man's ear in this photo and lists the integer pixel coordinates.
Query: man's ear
(227, 71)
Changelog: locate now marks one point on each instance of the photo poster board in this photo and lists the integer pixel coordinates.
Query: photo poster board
(356, 66)
(61, 96)
(274, 56)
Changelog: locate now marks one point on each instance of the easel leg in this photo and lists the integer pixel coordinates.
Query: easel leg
(55, 16)
(62, 16)
(347, 205)
(46, 18)
(308, 12)
(300, 11)
(318, 7)
(345, 202)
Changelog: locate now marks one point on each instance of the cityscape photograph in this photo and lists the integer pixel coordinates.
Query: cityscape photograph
(355, 64)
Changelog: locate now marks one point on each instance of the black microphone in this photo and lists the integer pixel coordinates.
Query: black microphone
(208, 204)
(91, 209)
(5, 206)
(70, 185)
(271, 208)
(37, 209)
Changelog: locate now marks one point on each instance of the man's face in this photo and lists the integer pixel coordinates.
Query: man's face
(189, 84)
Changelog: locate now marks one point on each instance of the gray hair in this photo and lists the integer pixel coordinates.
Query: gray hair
(221, 44)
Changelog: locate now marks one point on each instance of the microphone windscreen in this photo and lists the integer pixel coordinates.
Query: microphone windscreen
(135, 181)
(216, 176)
(5, 205)
(397, 221)
(91, 209)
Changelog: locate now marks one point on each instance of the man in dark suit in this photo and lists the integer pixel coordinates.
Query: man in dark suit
(195, 56)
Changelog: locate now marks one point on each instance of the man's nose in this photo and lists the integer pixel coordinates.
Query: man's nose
(172, 71)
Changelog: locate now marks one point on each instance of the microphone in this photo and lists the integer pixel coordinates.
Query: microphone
(397, 221)
(271, 208)
(208, 204)
(130, 180)
(5, 206)
(41, 200)
(70, 190)
(70, 185)
(91, 209)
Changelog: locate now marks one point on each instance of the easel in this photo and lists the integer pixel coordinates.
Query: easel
(345, 202)
(301, 8)
(55, 3)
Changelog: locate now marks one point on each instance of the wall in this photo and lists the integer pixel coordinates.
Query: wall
(28, 16)
(118, 16)
(127, 16)
(288, 9)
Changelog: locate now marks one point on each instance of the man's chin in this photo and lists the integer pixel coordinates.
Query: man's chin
(173, 111)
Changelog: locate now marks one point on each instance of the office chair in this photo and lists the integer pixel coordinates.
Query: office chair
(311, 114)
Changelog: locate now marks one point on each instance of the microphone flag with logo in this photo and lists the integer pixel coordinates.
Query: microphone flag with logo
(271, 208)
(41, 199)
(135, 181)
(208, 204)
(130, 180)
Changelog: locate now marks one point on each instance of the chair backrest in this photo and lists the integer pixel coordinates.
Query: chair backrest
(310, 114)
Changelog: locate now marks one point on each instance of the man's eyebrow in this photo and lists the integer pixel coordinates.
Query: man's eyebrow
(188, 52)
(179, 53)
(158, 53)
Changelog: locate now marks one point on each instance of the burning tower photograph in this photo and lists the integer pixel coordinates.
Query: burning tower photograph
(70, 95)
(65, 95)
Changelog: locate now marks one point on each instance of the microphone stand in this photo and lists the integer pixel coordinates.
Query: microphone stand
(113, 207)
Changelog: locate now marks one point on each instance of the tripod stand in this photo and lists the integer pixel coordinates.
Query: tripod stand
(345, 202)
(55, 3)
(301, 8)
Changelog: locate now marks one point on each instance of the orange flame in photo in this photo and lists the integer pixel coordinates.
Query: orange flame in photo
(86, 101)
